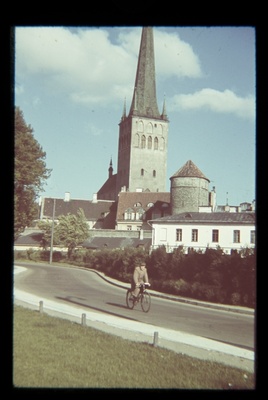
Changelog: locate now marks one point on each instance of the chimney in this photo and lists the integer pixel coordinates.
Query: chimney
(67, 196)
(95, 198)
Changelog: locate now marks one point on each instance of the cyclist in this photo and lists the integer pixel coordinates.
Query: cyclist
(139, 275)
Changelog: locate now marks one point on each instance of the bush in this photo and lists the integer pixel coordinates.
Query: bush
(235, 298)
(209, 277)
(20, 255)
(178, 287)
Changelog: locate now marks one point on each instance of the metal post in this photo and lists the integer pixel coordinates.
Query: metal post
(41, 307)
(155, 339)
(84, 319)
(52, 233)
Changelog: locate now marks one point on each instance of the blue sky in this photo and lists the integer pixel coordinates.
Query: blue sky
(71, 82)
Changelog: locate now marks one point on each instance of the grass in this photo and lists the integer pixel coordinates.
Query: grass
(53, 353)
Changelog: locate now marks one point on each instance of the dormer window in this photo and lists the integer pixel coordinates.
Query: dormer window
(128, 213)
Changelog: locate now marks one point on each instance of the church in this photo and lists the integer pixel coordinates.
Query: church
(139, 186)
(134, 200)
(143, 134)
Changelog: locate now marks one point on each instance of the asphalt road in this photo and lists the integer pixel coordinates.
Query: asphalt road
(79, 287)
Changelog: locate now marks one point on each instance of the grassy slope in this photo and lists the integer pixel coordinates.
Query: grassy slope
(54, 353)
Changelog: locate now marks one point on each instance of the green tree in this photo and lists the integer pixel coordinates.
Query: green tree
(46, 227)
(30, 174)
(71, 231)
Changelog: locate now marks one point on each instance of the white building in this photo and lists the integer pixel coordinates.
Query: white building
(199, 230)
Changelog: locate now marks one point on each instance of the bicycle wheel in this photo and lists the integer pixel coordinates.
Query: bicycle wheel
(145, 301)
(129, 299)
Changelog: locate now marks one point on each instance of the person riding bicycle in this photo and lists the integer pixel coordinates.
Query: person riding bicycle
(139, 275)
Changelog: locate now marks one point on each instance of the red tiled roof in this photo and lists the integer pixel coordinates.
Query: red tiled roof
(130, 199)
(189, 169)
(108, 188)
(92, 210)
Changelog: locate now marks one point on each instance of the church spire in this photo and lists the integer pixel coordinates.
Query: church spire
(124, 111)
(111, 168)
(144, 102)
(164, 111)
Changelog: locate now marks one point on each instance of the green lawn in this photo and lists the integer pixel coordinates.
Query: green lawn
(53, 353)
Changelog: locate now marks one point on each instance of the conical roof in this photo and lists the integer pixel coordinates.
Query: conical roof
(144, 102)
(189, 169)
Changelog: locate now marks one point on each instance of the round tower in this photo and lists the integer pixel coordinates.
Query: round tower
(188, 189)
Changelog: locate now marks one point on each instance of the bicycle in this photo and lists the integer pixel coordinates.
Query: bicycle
(144, 298)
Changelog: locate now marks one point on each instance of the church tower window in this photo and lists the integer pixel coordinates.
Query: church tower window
(149, 128)
(143, 142)
(140, 127)
(137, 140)
(155, 143)
(149, 142)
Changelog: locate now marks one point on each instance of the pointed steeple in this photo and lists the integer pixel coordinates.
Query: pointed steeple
(111, 168)
(144, 102)
(164, 111)
(124, 111)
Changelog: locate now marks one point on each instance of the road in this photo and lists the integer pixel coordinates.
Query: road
(79, 287)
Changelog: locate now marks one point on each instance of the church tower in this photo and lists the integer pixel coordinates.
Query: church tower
(143, 134)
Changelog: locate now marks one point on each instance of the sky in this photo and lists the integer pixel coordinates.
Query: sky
(71, 83)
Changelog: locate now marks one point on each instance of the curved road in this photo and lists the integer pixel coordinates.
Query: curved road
(85, 288)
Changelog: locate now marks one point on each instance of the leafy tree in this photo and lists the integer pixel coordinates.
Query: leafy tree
(30, 174)
(46, 227)
(71, 230)
(158, 262)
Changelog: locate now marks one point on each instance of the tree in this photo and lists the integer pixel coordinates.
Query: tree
(46, 227)
(30, 174)
(71, 230)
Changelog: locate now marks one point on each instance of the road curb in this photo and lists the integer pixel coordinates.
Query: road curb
(123, 285)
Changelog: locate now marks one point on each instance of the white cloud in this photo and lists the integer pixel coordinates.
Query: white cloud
(19, 89)
(36, 101)
(174, 57)
(84, 64)
(94, 130)
(89, 68)
(214, 100)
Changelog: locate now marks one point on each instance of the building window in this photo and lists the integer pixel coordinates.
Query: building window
(128, 213)
(154, 173)
(194, 235)
(156, 143)
(236, 236)
(178, 235)
(150, 142)
(139, 214)
(252, 237)
(129, 227)
(140, 128)
(215, 235)
(137, 140)
(142, 172)
(143, 142)
(149, 128)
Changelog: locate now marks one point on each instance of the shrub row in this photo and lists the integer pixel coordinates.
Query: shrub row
(212, 276)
